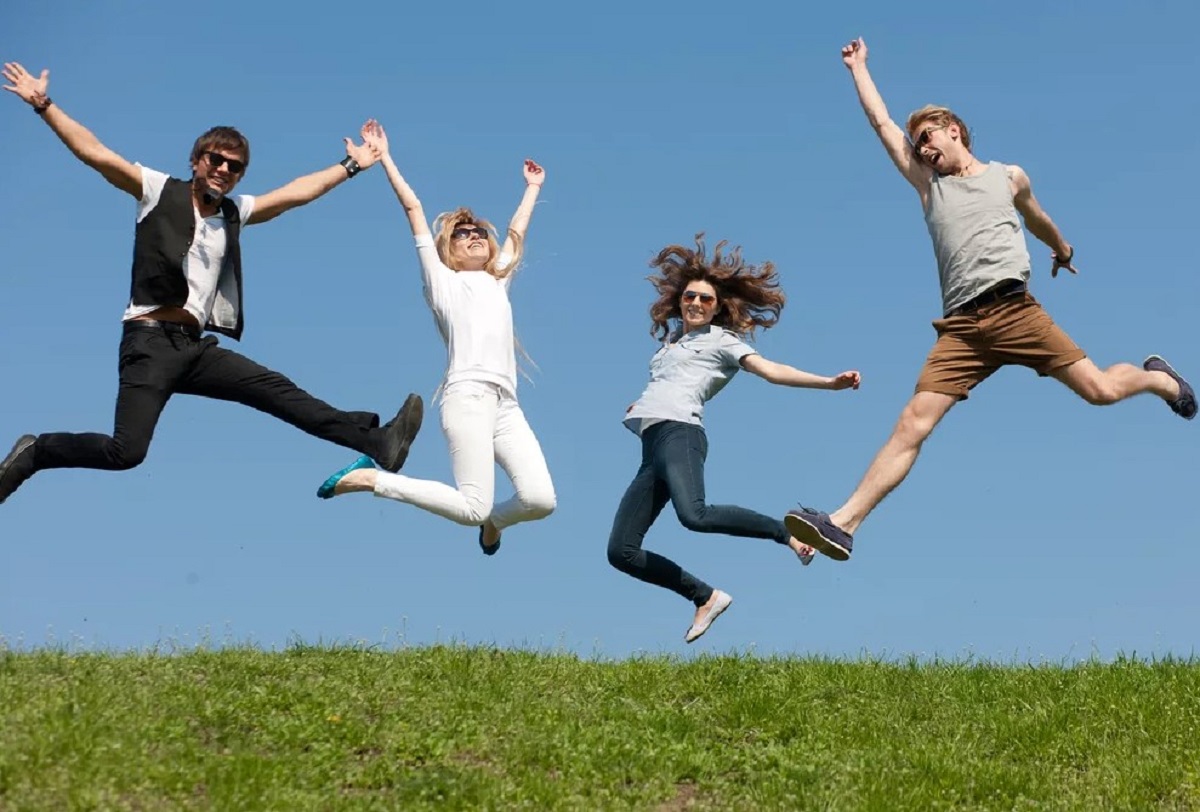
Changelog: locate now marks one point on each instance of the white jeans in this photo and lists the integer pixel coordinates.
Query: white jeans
(483, 426)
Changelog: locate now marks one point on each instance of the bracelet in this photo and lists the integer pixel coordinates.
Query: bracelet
(351, 166)
(1065, 260)
(41, 104)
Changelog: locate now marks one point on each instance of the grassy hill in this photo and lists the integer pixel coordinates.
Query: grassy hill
(453, 727)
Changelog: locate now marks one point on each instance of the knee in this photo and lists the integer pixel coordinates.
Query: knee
(914, 426)
(694, 518)
(1097, 391)
(125, 457)
(621, 555)
(539, 505)
(478, 511)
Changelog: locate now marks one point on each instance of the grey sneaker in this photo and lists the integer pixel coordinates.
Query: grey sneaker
(814, 528)
(1185, 404)
(17, 466)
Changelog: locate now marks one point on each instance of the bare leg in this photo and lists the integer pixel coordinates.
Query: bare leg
(893, 462)
(1117, 383)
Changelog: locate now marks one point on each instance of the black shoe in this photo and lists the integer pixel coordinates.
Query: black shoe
(400, 432)
(1185, 404)
(486, 549)
(17, 466)
(815, 529)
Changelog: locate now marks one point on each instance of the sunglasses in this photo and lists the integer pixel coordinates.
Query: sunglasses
(923, 139)
(467, 233)
(216, 160)
(693, 295)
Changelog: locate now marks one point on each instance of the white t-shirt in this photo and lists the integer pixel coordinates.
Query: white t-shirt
(474, 316)
(205, 258)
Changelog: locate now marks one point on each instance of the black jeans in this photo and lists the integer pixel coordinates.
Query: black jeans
(157, 361)
(673, 455)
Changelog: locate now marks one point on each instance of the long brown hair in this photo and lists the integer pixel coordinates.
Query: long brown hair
(748, 296)
(443, 229)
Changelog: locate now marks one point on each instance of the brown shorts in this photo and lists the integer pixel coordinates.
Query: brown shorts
(972, 346)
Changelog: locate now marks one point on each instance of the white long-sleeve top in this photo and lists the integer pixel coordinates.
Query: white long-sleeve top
(473, 314)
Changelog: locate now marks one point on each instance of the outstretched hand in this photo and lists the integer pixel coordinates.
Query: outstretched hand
(24, 83)
(373, 135)
(534, 174)
(855, 53)
(845, 380)
(368, 152)
(1059, 263)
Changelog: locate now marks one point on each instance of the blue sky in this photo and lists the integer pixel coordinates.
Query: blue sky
(1033, 526)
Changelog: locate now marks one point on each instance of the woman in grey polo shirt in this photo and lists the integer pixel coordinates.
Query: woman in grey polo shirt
(705, 308)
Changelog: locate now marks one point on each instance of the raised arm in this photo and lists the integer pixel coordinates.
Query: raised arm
(375, 136)
(784, 375)
(535, 176)
(308, 188)
(79, 139)
(854, 56)
(1038, 222)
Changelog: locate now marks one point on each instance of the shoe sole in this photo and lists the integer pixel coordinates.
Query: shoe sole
(712, 616)
(1170, 370)
(800, 528)
(23, 442)
(412, 415)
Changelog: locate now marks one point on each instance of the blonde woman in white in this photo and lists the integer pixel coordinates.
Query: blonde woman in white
(466, 276)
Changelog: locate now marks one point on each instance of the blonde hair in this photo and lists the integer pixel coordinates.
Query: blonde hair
(444, 225)
(942, 116)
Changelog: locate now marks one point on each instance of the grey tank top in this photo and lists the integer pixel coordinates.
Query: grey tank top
(977, 235)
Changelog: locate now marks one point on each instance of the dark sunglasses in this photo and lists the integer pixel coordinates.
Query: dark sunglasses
(467, 233)
(924, 136)
(216, 159)
(693, 295)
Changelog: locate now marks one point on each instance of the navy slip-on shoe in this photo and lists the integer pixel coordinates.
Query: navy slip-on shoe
(1185, 404)
(814, 528)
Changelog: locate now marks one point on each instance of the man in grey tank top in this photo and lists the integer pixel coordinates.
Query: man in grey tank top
(989, 319)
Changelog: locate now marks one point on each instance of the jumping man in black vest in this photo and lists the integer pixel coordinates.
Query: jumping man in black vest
(187, 278)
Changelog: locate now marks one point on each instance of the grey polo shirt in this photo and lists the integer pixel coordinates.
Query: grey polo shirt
(686, 372)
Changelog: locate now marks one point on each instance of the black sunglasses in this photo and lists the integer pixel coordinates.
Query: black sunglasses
(216, 159)
(467, 233)
(692, 295)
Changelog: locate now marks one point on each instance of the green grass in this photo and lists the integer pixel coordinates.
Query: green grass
(452, 727)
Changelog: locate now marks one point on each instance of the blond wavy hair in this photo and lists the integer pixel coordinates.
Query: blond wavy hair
(942, 116)
(443, 229)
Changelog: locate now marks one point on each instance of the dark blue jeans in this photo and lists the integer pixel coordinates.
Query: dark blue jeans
(672, 468)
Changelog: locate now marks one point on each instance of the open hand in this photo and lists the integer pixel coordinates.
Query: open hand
(534, 174)
(855, 53)
(845, 380)
(1058, 263)
(25, 84)
(368, 152)
(373, 135)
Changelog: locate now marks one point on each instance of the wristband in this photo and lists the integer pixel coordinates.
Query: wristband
(351, 166)
(41, 103)
(1065, 260)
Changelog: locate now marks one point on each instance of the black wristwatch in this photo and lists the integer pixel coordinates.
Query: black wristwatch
(351, 166)
(42, 105)
(1067, 259)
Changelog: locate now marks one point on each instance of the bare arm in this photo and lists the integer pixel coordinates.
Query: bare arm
(374, 134)
(784, 375)
(308, 188)
(1037, 221)
(79, 139)
(854, 56)
(535, 176)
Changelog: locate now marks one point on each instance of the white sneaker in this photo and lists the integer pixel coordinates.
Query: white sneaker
(722, 602)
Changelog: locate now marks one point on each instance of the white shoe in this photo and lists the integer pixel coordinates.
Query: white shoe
(722, 602)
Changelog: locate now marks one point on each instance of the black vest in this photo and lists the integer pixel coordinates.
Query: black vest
(161, 244)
